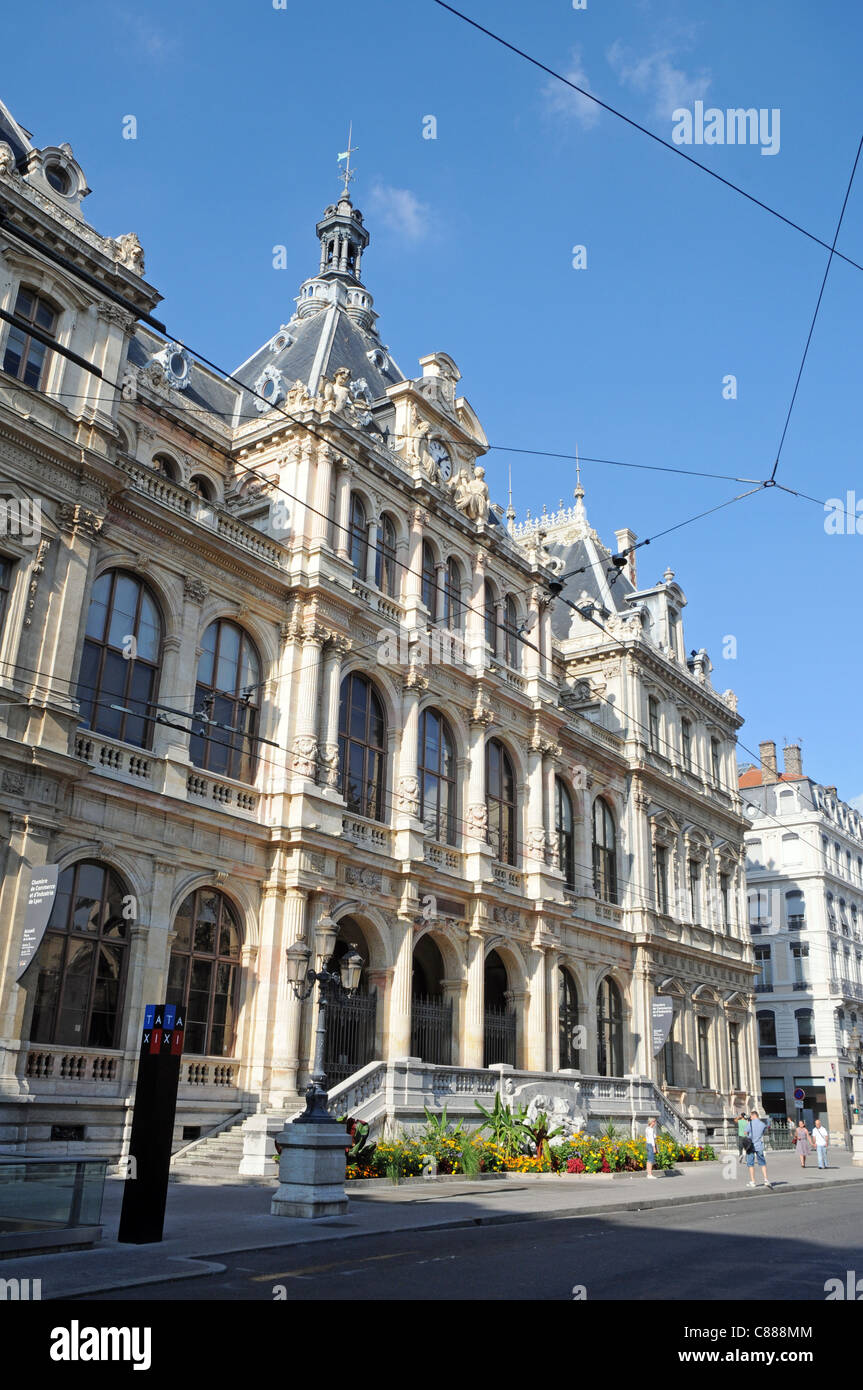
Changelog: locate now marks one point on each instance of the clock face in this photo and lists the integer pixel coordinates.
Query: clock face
(441, 457)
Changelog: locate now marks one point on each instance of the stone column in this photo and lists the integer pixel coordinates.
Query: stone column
(474, 619)
(473, 1045)
(407, 788)
(398, 1040)
(533, 642)
(536, 842)
(590, 1055)
(643, 1061)
(536, 1057)
(552, 1010)
(59, 650)
(381, 980)
(305, 742)
(454, 993)
(335, 649)
(304, 524)
(476, 828)
(320, 518)
(517, 1000)
(371, 549)
(179, 669)
(412, 589)
(344, 473)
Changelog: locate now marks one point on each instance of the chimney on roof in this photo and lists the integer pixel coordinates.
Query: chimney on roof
(793, 760)
(767, 755)
(626, 540)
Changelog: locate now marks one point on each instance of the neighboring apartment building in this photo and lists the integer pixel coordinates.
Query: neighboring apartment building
(804, 873)
(270, 656)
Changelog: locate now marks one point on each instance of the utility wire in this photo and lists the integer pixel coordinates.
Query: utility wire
(675, 149)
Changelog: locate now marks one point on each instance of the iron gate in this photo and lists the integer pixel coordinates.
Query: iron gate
(350, 1035)
(431, 1029)
(499, 1037)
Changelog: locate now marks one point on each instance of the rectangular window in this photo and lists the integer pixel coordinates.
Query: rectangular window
(653, 723)
(26, 355)
(704, 1050)
(686, 743)
(661, 856)
(799, 955)
(734, 1054)
(764, 961)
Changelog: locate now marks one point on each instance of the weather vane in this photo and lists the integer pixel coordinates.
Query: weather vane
(347, 173)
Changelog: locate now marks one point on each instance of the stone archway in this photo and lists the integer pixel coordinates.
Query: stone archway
(431, 1010)
(499, 1022)
(350, 1022)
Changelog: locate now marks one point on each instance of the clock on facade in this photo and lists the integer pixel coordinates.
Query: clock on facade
(440, 454)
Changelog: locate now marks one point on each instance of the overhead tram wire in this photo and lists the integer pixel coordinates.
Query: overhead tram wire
(675, 149)
(817, 307)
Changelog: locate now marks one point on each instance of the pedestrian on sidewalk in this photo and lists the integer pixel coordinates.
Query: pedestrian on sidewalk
(755, 1132)
(822, 1139)
(650, 1145)
(742, 1127)
(802, 1142)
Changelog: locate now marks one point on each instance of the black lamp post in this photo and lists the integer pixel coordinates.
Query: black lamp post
(332, 985)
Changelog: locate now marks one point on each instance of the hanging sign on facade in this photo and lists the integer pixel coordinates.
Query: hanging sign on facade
(663, 1014)
(40, 900)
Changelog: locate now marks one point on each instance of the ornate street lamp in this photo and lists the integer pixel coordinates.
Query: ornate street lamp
(332, 985)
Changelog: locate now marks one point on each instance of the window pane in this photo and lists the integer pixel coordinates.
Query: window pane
(122, 622)
(35, 359)
(177, 979)
(359, 704)
(76, 988)
(229, 656)
(205, 662)
(14, 351)
(148, 630)
(87, 678)
(88, 897)
(49, 966)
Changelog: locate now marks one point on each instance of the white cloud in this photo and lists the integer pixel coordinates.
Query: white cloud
(561, 100)
(401, 211)
(658, 76)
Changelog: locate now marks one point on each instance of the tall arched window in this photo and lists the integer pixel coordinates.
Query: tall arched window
(204, 971)
(569, 1029)
(609, 1029)
(452, 606)
(604, 852)
(429, 581)
(359, 535)
(564, 828)
(490, 615)
(164, 464)
(226, 698)
(436, 767)
(78, 974)
(25, 356)
(386, 576)
(500, 801)
(510, 631)
(120, 660)
(362, 747)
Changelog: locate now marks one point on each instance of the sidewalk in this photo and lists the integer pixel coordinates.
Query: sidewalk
(203, 1222)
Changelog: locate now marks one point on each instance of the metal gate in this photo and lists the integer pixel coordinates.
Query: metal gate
(499, 1037)
(350, 1035)
(431, 1029)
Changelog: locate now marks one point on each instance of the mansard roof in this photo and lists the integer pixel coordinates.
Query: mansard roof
(14, 135)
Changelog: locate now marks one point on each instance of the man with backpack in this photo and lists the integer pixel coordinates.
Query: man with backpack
(753, 1142)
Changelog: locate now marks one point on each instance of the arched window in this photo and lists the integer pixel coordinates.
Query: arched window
(359, 535)
(436, 768)
(490, 612)
(569, 1029)
(609, 1029)
(226, 699)
(604, 852)
(350, 1042)
(500, 801)
(120, 660)
(452, 606)
(164, 464)
(26, 357)
(510, 631)
(362, 747)
(429, 581)
(564, 828)
(386, 576)
(203, 487)
(204, 971)
(79, 970)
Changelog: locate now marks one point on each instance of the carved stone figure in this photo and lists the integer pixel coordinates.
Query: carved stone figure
(477, 820)
(130, 252)
(473, 498)
(305, 753)
(336, 394)
(7, 159)
(298, 394)
(408, 795)
(458, 486)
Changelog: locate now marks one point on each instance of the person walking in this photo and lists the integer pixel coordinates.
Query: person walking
(822, 1139)
(742, 1127)
(755, 1132)
(802, 1142)
(650, 1145)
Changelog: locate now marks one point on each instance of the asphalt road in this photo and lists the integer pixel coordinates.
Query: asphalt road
(768, 1247)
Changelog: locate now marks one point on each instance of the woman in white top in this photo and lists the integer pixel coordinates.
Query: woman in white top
(650, 1143)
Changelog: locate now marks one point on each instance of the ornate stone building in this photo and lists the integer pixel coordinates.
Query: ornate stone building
(268, 653)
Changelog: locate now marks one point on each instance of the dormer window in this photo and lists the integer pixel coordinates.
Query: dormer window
(58, 178)
(26, 354)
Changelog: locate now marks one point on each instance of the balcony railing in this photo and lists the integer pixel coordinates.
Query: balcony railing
(371, 834)
(443, 857)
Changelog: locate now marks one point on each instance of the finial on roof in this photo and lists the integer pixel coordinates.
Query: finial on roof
(669, 575)
(347, 173)
(579, 490)
(510, 511)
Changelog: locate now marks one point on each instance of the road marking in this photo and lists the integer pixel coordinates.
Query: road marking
(318, 1269)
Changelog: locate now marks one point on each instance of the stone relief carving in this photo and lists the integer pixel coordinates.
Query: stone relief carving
(408, 796)
(363, 877)
(477, 820)
(304, 755)
(128, 250)
(7, 160)
(75, 518)
(506, 916)
(195, 589)
(14, 782)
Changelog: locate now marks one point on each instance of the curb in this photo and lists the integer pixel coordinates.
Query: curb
(456, 1224)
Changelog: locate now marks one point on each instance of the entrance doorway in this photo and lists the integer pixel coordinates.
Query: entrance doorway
(431, 1014)
(499, 1029)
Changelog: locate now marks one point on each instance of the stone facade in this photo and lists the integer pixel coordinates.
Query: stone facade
(804, 874)
(272, 655)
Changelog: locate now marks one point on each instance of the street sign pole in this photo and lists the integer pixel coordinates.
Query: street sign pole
(143, 1215)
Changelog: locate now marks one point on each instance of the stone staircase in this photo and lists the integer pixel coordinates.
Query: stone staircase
(216, 1159)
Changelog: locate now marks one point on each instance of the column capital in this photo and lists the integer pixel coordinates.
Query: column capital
(195, 590)
(77, 520)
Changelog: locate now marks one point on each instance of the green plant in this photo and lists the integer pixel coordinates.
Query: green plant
(437, 1127)
(612, 1132)
(471, 1158)
(539, 1134)
(505, 1127)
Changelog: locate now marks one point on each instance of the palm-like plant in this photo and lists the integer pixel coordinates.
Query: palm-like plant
(505, 1128)
(539, 1134)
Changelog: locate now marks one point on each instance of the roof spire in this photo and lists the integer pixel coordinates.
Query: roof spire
(510, 511)
(347, 174)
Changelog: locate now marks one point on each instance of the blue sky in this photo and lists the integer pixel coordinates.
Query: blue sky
(241, 109)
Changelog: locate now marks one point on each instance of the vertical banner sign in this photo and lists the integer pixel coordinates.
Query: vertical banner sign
(663, 1013)
(145, 1194)
(40, 900)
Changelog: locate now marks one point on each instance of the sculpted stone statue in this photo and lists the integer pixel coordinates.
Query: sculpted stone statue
(130, 252)
(474, 501)
(336, 394)
(458, 486)
(7, 158)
